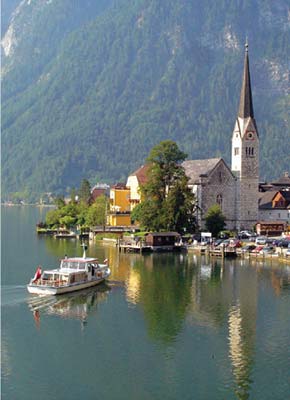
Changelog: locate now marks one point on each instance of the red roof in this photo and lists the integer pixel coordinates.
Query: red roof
(141, 174)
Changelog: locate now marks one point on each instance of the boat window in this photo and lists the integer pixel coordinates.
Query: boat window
(46, 276)
(70, 264)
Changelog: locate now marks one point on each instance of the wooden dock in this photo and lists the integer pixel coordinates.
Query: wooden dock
(223, 252)
(131, 246)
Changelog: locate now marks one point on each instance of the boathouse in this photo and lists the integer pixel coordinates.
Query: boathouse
(162, 240)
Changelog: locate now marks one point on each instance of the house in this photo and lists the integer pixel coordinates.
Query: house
(162, 240)
(134, 181)
(274, 205)
(97, 191)
(283, 183)
(270, 228)
(119, 213)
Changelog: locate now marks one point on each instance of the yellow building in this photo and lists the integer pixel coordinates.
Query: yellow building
(119, 214)
(134, 181)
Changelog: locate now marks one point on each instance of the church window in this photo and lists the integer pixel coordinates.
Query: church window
(219, 200)
(236, 151)
(220, 177)
(249, 151)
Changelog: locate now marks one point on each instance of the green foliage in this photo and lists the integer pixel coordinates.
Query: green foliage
(168, 203)
(215, 220)
(85, 191)
(96, 214)
(67, 221)
(92, 86)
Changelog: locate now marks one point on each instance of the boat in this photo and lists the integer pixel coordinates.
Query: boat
(74, 273)
(65, 235)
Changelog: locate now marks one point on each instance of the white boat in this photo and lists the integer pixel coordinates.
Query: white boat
(74, 273)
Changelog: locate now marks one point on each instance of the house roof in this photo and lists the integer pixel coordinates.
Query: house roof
(120, 186)
(141, 174)
(283, 181)
(266, 198)
(163, 234)
(195, 168)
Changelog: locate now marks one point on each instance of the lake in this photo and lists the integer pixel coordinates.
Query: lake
(165, 326)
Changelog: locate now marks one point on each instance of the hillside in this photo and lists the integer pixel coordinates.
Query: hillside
(89, 88)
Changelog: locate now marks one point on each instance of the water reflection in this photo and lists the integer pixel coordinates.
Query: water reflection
(161, 286)
(78, 305)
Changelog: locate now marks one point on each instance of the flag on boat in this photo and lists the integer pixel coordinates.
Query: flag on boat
(37, 274)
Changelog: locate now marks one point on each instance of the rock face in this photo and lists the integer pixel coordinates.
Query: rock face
(89, 88)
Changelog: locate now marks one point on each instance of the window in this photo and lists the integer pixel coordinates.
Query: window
(219, 200)
(236, 151)
(249, 151)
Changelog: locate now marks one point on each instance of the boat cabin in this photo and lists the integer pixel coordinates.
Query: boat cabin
(71, 271)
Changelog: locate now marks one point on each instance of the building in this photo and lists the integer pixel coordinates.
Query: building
(212, 182)
(134, 181)
(274, 205)
(119, 213)
(234, 189)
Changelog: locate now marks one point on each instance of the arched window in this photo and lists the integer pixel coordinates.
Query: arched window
(219, 200)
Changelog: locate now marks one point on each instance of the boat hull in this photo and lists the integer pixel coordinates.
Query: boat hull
(54, 290)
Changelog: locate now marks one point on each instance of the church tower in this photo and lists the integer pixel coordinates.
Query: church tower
(245, 155)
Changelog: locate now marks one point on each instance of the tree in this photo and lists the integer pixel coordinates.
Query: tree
(168, 203)
(85, 191)
(96, 214)
(214, 220)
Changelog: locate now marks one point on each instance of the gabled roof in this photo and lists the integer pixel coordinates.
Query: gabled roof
(286, 194)
(283, 181)
(120, 186)
(266, 198)
(194, 169)
(141, 174)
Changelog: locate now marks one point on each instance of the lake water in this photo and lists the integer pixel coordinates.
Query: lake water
(166, 326)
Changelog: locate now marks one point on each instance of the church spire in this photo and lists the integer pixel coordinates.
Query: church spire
(246, 104)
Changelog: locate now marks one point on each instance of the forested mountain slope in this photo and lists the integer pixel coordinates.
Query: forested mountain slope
(89, 87)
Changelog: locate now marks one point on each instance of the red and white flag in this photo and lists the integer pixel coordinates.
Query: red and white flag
(37, 274)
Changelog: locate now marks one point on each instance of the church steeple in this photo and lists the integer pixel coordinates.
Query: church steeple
(246, 104)
(245, 155)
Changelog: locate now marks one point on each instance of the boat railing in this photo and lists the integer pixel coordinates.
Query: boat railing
(50, 282)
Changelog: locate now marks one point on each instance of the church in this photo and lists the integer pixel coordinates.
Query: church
(235, 189)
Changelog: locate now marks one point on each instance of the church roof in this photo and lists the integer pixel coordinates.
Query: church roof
(246, 103)
(195, 168)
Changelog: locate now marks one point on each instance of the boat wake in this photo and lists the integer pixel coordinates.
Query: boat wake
(13, 295)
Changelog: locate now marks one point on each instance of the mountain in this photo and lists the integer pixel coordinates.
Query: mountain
(89, 87)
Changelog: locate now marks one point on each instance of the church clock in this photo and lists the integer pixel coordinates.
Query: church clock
(250, 135)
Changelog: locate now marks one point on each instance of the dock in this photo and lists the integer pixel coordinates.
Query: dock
(131, 246)
(223, 252)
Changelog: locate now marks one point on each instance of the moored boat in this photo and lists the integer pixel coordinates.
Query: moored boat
(74, 273)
